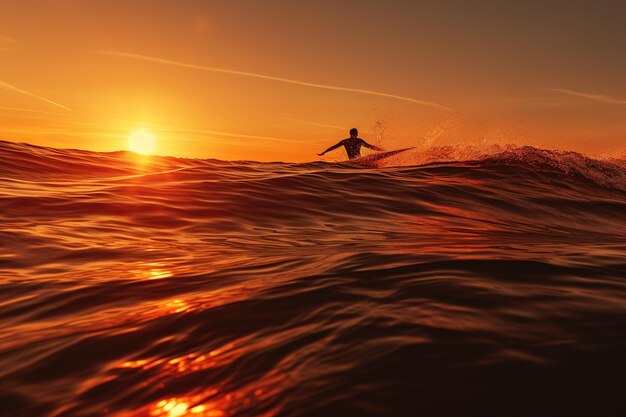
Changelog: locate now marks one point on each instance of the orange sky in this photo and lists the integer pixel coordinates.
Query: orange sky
(283, 80)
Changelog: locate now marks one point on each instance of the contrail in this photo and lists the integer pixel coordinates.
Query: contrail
(588, 96)
(19, 90)
(29, 110)
(227, 134)
(313, 123)
(272, 78)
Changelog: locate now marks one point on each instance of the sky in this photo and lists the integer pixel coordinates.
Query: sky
(283, 80)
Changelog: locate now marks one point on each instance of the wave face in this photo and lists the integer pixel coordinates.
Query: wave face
(173, 287)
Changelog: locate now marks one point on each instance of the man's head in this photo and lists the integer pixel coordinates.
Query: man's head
(354, 133)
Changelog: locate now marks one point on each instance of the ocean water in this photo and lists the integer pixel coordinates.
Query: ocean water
(445, 283)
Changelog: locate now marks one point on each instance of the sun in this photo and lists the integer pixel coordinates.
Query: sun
(142, 142)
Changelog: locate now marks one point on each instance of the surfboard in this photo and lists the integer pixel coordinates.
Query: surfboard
(370, 159)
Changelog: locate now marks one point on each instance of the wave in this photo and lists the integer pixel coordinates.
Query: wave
(609, 172)
(25, 160)
(498, 186)
(447, 281)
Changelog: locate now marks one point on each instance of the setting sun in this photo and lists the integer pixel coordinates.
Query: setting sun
(141, 142)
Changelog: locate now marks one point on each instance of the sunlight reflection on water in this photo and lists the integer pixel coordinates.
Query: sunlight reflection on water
(223, 289)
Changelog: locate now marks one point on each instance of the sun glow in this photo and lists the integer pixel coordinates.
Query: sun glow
(142, 142)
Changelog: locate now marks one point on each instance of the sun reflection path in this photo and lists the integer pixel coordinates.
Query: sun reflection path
(152, 270)
(197, 405)
(203, 401)
(177, 306)
(178, 407)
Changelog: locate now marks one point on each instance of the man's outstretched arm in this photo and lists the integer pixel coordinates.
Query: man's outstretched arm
(331, 148)
(375, 148)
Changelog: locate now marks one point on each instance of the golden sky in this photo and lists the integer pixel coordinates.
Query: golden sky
(283, 80)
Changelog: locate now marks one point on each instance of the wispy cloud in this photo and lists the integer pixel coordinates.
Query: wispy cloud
(273, 78)
(6, 39)
(10, 87)
(594, 97)
(18, 109)
(312, 123)
(224, 134)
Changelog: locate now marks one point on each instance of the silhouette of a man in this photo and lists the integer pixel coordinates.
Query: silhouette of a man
(353, 145)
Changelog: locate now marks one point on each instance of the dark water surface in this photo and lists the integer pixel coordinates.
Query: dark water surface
(136, 286)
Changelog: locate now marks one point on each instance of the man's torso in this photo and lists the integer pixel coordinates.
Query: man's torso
(353, 147)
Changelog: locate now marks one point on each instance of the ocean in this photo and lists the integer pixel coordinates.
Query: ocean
(438, 283)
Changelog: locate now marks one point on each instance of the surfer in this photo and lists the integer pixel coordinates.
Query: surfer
(353, 145)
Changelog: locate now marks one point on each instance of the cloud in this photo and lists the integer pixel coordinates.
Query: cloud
(29, 110)
(272, 78)
(594, 97)
(225, 134)
(5, 39)
(19, 90)
(313, 123)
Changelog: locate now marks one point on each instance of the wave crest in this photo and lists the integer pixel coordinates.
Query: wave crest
(25, 161)
(608, 172)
